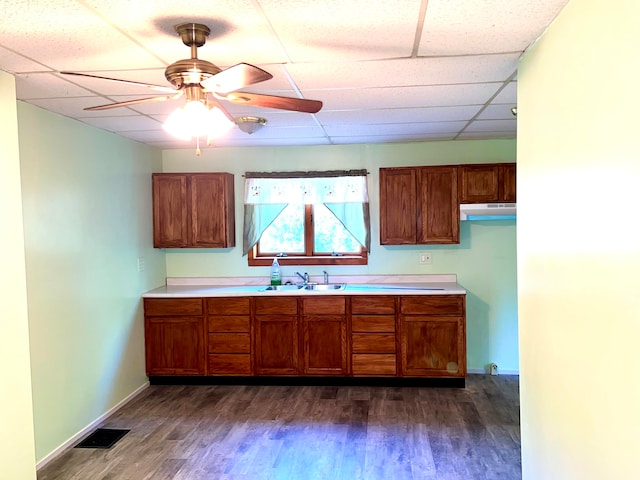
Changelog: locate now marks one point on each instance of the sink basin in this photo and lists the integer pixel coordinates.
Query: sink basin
(325, 286)
(280, 288)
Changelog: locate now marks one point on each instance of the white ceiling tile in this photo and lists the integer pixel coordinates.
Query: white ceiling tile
(398, 115)
(335, 30)
(388, 138)
(239, 31)
(405, 72)
(357, 57)
(492, 126)
(46, 85)
(395, 129)
(70, 37)
(13, 63)
(497, 112)
(124, 123)
(484, 26)
(406, 97)
(509, 94)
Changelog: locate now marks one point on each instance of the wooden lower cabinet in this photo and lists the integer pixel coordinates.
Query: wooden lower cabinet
(433, 336)
(377, 335)
(276, 341)
(324, 333)
(373, 336)
(229, 336)
(174, 336)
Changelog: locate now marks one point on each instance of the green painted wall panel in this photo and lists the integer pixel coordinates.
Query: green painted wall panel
(87, 220)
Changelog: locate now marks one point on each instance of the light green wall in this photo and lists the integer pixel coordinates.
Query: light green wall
(87, 220)
(579, 245)
(17, 456)
(485, 260)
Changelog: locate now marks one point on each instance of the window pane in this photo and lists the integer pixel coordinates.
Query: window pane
(330, 235)
(286, 233)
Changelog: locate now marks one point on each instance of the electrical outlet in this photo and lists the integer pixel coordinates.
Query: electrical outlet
(425, 258)
(140, 264)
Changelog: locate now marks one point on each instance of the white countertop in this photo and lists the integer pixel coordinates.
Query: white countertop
(355, 285)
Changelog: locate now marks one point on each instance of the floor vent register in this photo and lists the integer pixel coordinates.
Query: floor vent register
(102, 438)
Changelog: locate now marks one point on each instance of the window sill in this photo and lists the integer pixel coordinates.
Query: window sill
(318, 260)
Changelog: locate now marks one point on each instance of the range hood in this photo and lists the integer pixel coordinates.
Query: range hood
(488, 211)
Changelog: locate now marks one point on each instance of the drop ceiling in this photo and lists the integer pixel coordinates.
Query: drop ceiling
(386, 71)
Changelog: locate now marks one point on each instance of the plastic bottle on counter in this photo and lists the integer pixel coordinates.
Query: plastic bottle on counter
(276, 278)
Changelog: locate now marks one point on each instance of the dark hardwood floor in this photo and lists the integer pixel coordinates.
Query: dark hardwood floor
(229, 432)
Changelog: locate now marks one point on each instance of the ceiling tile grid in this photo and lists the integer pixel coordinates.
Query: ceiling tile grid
(402, 71)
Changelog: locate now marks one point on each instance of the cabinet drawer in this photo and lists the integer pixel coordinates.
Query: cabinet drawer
(229, 323)
(284, 305)
(229, 343)
(228, 306)
(172, 306)
(229, 364)
(373, 323)
(373, 364)
(374, 343)
(377, 305)
(433, 304)
(325, 305)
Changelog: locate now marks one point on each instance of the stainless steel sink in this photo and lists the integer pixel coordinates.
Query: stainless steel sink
(325, 286)
(280, 288)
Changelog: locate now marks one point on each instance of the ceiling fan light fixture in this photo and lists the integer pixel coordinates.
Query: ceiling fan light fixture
(194, 119)
(249, 124)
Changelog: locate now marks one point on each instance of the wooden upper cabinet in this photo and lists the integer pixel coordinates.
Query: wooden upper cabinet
(487, 183)
(419, 205)
(508, 182)
(170, 213)
(193, 210)
(398, 206)
(438, 212)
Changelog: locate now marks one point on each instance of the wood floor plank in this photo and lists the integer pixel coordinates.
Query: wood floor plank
(236, 432)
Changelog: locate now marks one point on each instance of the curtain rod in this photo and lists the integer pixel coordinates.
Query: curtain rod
(310, 174)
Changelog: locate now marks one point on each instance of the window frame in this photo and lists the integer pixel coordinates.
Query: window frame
(309, 258)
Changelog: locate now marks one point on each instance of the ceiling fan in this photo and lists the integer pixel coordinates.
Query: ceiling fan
(202, 81)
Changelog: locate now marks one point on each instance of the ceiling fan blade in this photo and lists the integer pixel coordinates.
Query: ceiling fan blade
(158, 88)
(133, 102)
(233, 78)
(273, 101)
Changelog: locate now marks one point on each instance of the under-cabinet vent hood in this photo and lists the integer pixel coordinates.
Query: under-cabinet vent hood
(488, 211)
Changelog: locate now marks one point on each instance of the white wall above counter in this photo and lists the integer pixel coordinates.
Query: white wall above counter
(441, 284)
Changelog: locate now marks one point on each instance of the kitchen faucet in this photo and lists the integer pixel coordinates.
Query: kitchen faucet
(305, 277)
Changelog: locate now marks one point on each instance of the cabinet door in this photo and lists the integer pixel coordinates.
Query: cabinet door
(433, 346)
(212, 210)
(438, 210)
(398, 205)
(325, 345)
(175, 345)
(479, 183)
(276, 337)
(508, 182)
(276, 345)
(170, 222)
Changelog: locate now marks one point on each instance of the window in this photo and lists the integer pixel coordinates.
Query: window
(307, 218)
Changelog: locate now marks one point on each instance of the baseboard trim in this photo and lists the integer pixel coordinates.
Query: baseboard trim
(313, 380)
(89, 428)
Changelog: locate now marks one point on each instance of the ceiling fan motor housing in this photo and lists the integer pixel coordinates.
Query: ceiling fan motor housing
(190, 71)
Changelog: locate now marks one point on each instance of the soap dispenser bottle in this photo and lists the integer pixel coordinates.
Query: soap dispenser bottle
(276, 279)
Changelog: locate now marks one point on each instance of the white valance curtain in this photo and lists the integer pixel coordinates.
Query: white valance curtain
(344, 192)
